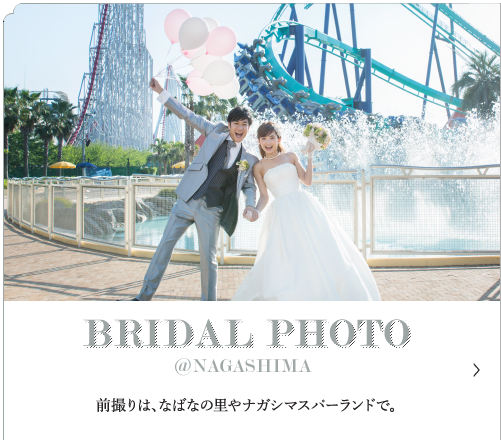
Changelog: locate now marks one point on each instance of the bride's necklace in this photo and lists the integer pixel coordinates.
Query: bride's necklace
(271, 158)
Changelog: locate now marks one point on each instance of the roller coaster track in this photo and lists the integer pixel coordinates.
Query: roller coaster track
(281, 30)
(445, 31)
(93, 76)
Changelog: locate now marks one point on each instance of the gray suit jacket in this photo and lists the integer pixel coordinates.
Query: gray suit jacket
(215, 135)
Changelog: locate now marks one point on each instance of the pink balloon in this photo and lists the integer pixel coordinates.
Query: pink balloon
(194, 53)
(221, 41)
(173, 22)
(198, 85)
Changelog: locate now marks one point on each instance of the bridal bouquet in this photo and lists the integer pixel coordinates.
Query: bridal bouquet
(317, 135)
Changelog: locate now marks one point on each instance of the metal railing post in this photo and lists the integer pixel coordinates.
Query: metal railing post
(130, 222)
(32, 207)
(20, 203)
(50, 207)
(355, 213)
(79, 231)
(364, 217)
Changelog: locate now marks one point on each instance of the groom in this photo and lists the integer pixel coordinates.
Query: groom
(207, 194)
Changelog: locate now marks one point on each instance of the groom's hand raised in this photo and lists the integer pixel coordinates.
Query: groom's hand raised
(155, 85)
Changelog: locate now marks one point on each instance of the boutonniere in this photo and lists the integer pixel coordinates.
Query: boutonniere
(243, 165)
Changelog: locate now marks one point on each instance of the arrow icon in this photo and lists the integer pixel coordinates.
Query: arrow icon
(478, 369)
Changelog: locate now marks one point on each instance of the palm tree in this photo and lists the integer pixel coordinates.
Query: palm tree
(28, 117)
(480, 83)
(65, 122)
(189, 132)
(174, 154)
(46, 131)
(161, 148)
(10, 122)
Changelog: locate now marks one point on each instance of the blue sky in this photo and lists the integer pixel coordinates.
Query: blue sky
(47, 45)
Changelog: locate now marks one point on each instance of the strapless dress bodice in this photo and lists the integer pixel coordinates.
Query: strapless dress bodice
(282, 179)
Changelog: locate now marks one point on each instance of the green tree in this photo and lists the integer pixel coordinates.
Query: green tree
(479, 83)
(46, 130)
(28, 118)
(66, 119)
(10, 122)
(161, 149)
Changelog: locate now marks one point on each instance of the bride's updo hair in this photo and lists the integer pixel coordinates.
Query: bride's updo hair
(265, 130)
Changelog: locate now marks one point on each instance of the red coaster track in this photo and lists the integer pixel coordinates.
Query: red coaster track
(94, 69)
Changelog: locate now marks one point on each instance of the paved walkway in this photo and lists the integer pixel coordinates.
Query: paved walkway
(37, 269)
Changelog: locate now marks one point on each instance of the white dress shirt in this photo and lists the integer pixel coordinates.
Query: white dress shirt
(162, 99)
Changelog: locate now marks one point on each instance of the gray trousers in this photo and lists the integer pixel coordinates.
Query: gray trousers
(183, 215)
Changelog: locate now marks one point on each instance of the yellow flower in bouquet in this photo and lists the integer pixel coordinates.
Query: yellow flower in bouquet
(317, 135)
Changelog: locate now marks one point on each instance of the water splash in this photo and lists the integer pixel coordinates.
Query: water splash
(359, 141)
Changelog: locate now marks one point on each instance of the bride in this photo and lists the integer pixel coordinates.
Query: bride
(303, 255)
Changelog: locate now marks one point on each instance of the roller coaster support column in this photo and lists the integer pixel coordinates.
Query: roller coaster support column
(324, 53)
(299, 49)
(338, 32)
(441, 78)
(430, 58)
(293, 17)
(366, 53)
(354, 38)
(454, 54)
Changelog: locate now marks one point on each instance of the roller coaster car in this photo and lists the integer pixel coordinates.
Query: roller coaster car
(244, 86)
(257, 54)
(302, 109)
(331, 107)
(276, 82)
(242, 58)
(245, 47)
(256, 84)
(256, 42)
(265, 68)
(300, 95)
(280, 94)
(312, 106)
(249, 69)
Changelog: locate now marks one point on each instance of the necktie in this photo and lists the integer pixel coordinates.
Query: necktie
(229, 145)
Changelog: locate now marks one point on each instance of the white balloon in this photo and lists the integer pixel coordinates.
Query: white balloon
(201, 62)
(213, 24)
(219, 73)
(193, 33)
(227, 91)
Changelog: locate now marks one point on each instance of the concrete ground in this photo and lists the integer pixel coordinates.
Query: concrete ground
(37, 269)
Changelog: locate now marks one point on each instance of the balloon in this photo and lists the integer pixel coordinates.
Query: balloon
(213, 24)
(173, 22)
(219, 73)
(200, 63)
(195, 53)
(193, 33)
(197, 84)
(221, 41)
(227, 91)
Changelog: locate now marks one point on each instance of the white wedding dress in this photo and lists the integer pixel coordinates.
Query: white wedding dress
(304, 254)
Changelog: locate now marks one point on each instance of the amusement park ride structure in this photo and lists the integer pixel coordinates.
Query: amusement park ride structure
(270, 82)
(171, 125)
(115, 102)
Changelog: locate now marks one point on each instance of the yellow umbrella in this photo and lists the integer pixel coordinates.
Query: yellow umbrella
(178, 165)
(64, 165)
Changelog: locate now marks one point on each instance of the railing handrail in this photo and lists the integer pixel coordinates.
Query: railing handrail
(476, 167)
(335, 171)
